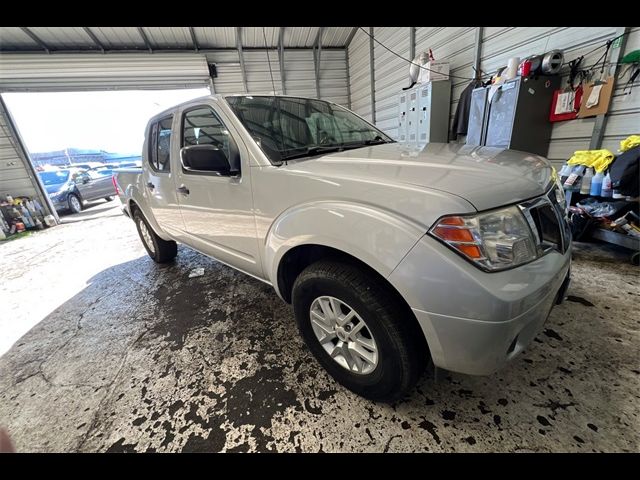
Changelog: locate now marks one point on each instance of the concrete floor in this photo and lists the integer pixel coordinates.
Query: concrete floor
(115, 353)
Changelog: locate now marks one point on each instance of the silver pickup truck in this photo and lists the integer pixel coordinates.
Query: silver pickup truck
(391, 256)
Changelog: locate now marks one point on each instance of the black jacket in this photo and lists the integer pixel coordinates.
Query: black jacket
(461, 118)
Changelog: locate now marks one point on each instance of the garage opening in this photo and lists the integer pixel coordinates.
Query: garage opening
(76, 140)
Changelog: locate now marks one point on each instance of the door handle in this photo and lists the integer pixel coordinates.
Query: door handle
(183, 190)
(150, 186)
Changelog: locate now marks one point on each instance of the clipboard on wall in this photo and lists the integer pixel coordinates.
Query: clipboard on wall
(596, 98)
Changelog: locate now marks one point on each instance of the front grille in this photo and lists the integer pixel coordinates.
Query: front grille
(547, 220)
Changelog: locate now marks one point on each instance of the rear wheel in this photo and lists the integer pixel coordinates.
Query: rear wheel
(358, 330)
(75, 205)
(159, 250)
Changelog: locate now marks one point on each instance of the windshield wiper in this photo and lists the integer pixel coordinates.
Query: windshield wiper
(308, 151)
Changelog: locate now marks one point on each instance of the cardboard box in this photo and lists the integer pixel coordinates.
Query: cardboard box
(438, 70)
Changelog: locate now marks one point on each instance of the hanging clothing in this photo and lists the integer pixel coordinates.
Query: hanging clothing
(461, 118)
(629, 142)
(597, 159)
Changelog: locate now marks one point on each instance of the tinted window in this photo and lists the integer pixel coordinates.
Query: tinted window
(54, 178)
(285, 126)
(160, 145)
(203, 127)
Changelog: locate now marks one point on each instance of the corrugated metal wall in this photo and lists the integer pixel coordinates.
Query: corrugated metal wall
(360, 75)
(456, 44)
(24, 72)
(299, 75)
(16, 176)
(392, 73)
(624, 115)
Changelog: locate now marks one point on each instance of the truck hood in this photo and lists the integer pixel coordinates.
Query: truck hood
(486, 177)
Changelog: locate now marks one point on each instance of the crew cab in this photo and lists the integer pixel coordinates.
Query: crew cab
(392, 256)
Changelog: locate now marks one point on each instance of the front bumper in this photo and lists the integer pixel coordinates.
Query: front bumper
(475, 322)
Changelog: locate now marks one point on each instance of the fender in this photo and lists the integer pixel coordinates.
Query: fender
(132, 193)
(373, 235)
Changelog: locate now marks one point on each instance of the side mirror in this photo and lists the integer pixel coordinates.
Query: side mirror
(206, 158)
(84, 179)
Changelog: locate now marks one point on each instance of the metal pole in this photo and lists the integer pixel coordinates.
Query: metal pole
(241, 57)
(146, 39)
(281, 59)
(93, 37)
(477, 51)
(36, 39)
(601, 120)
(346, 56)
(412, 42)
(373, 77)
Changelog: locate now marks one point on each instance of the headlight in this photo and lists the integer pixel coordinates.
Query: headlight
(559, 190)
(494, 240)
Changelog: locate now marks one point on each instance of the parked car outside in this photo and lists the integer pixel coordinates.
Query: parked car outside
(68, 189)
(392, 256)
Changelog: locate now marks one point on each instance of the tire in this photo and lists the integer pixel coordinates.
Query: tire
(74, 202)
(109, 198)
(401, 352)
(161, 251)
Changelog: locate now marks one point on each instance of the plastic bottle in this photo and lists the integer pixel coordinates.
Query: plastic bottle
(574, 180)
(596, 184)
(585, 188)
(565, 171)
(606, 186)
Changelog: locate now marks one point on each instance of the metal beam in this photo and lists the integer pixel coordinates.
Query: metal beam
(477, 51)
(350, 37)
(281, 59)
(164, 50)
(92, 36)
(35, 38)
(147, 43)
(316, 58)
(346, 55)
(373, 77)
(194, 40)
(412, 42)
(241, 57)
(601, 120)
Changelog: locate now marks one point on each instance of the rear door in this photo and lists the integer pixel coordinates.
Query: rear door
(157, 177)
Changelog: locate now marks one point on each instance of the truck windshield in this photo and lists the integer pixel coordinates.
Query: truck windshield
(290, 127)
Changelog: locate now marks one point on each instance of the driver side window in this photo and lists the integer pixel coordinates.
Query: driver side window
(202, 126)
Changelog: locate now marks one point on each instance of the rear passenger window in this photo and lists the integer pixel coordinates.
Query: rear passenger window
(160, 145)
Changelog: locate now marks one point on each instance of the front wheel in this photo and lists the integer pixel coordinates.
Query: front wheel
(359, 330)
(161, 251)
(75, 205)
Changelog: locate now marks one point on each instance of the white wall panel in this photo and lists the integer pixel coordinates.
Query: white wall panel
(391, 74)
(25, 72)
(360, 75)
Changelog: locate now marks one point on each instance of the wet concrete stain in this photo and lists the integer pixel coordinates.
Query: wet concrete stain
(582, 301)
(201, 365)
(552, 334)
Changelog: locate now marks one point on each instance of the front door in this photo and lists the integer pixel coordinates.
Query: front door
(158, 179)
(217, 208)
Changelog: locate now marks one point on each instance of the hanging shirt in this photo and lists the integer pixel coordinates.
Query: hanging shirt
(461, 118)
